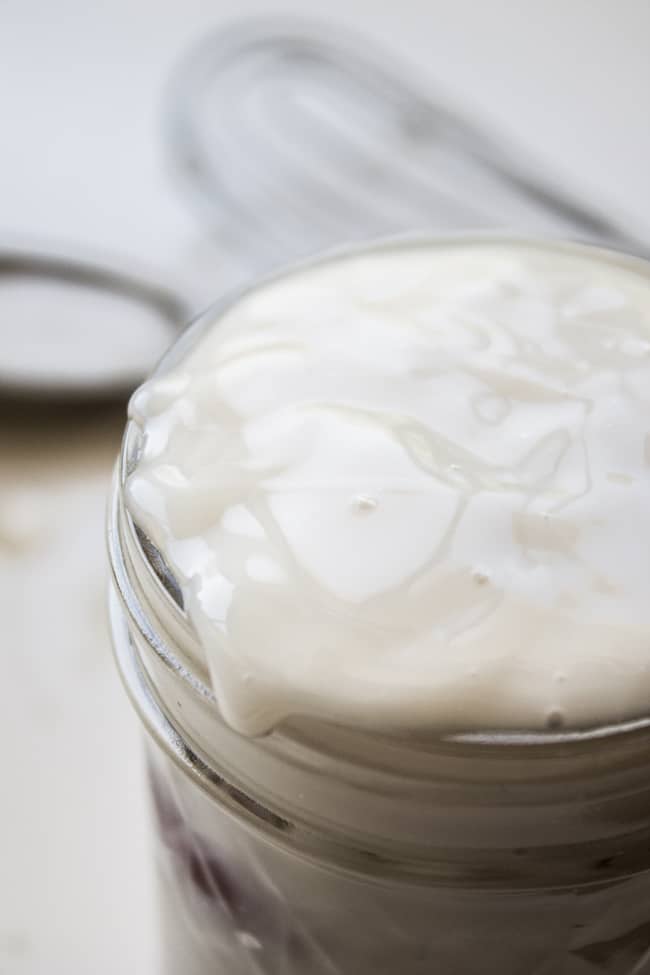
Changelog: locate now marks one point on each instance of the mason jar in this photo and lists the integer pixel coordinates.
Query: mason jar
(324, 850)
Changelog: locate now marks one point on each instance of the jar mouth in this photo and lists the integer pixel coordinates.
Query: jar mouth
(168, 590)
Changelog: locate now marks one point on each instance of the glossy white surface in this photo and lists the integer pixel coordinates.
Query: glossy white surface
(408, 488)
(80, 101)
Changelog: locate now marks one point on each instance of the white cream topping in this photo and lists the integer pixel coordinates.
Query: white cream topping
(411, 489)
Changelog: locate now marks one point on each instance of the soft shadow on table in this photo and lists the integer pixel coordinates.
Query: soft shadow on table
(30, 425)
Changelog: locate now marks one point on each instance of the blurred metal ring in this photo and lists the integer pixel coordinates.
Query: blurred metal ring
(22, 264)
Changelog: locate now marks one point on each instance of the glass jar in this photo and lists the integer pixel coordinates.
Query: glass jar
(321, 850)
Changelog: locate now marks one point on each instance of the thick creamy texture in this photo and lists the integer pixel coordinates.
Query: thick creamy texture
(411, 490)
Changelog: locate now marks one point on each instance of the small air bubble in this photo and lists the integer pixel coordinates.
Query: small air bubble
(555, 719)
(364, 503)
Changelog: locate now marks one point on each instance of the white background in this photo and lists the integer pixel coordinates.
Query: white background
(81, 95)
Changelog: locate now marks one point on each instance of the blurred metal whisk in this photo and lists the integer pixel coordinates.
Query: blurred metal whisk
(289, 139)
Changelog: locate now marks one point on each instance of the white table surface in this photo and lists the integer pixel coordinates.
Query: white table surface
(80, 98)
